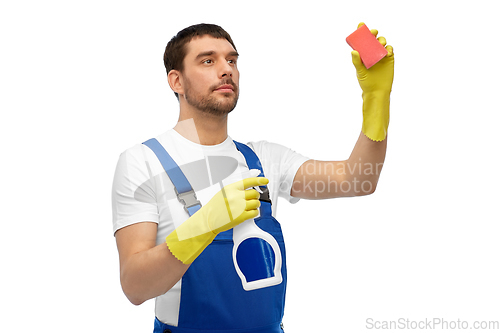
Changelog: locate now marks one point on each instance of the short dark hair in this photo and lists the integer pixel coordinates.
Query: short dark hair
(175, 52)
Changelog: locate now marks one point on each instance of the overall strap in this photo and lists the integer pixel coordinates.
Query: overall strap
(182, 187)
(253, 162)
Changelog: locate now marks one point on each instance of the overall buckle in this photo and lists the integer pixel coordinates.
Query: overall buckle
(188, 199)
(264, 196)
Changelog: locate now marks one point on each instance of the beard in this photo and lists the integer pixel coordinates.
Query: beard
(209, 103)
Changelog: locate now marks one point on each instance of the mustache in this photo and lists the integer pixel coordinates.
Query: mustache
(225, 81)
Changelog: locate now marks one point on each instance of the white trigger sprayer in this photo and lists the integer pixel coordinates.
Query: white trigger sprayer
(256, 253)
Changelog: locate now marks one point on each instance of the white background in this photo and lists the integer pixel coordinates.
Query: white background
(81, 81)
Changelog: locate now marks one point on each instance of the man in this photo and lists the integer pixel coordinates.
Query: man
(162, 248)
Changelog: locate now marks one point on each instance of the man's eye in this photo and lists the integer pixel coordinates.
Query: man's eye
(208, 61)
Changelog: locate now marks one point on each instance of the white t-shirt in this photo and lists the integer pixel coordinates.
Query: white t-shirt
(142, 191)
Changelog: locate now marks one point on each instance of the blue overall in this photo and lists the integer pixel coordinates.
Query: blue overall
(212, 297)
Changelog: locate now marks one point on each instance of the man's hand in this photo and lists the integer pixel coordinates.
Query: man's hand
(234, 204)
(376, 84)
(228, 208)
(380, 76)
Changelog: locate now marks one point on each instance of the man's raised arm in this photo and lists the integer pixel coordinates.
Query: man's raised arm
(359, 174)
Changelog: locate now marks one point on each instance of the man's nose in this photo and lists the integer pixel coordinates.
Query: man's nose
(226, 70)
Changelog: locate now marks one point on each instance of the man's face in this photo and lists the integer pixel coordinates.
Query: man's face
(210, 76)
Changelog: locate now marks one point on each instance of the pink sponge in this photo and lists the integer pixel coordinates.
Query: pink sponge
(369, 48)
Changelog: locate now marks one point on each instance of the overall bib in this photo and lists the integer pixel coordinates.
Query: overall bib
(212, 296)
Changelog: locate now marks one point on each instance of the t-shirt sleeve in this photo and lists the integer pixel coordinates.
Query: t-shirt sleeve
(280, 163)
(133, 191)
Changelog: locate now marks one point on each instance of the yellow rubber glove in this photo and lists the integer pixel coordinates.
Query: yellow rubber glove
(227, 208)
(376, 84)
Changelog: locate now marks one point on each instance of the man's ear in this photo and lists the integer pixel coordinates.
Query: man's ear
(175, 81)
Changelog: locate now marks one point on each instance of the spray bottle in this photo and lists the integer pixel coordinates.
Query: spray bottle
(256, 253)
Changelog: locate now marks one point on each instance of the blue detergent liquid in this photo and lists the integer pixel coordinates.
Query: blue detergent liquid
(256, 259)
